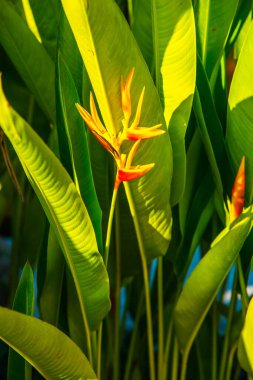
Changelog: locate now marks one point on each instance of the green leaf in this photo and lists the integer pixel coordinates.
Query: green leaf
(109, 52)
(50, 351)
(142, 29)
(175, 71)
(73, 144)
(175, 54)
(245, 352)
(198, 216)
(211, 131)
(29, 57)
(174, 46)
(213, 21)
(51, 292)
(47, 19)
(23, 302)
(203, 285)
(202, 122)
(68, 48)
(65, 211)
(239, 138)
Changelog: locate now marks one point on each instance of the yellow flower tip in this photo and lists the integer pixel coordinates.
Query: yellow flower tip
(86, 116)
(143, 133)
(238, 192)
(132, 153)
(125, 95)
(137, 118)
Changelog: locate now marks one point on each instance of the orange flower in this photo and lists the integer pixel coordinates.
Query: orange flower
(125, 170)
(238, 191)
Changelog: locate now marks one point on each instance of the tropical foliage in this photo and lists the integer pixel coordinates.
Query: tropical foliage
(126, 189)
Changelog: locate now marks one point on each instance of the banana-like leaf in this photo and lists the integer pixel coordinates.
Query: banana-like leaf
(51, 292)
(175, 73)
(239, 138)
(214, 19)
(47, 20)
(109, 52)
(45, 347)
(68, 48)
(245, 352)
(23, 302)
(29, 57)
(203, 284)
(73, 140)
(65, 211)
(142, 29)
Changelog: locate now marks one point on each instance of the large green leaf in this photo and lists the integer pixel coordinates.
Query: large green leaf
(214, 19)
(51, 292)
(109, 52)
(29, 57)
(47, 19)
(203, 285)
(23, 302)
(65, 211)
(239, 136)
(68, 48)
(245, 352)
(175, 72)
(50, 351)
(73, 144)
(142, 29)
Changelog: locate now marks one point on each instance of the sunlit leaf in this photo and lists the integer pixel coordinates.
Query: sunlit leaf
(101, 35)
(65, 211)
(50, 351)
(245, 352)
(239, 136)
(202, 286)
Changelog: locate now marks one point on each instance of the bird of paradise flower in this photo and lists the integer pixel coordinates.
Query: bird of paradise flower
(129, 132)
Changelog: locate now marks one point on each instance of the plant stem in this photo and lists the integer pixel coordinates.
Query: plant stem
(199, 359)
(106, 255)
(133, 338)
(244, 295)
(94, 348)
(109, 225)
(116, 366)
(228, 329)
(214, 341)
(146, 282)
(174, 373)
(184, 363)
(167, 349)
(160, 318)
(230, 361)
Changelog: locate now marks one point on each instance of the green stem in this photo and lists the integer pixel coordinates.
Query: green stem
(200, 360)
(133, 339)
(174, 373)
(116, 366)
(109, 225)
(230, 362)
(244, 295)
(227, 333)
(167, 349)
(28, 371)
(94, 348)
(160, 318)
(214, 341)
(130, 11)
(106, 255)
(146, 282)
(184, 363)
